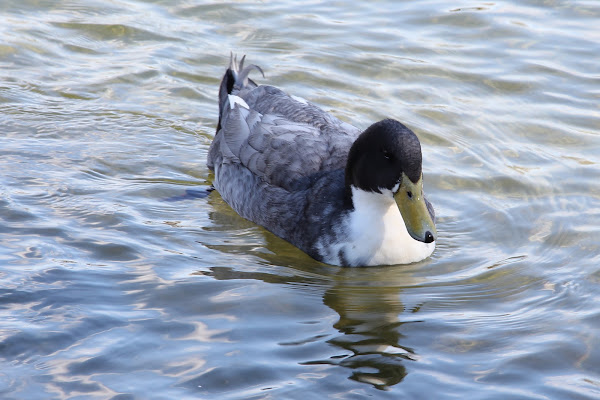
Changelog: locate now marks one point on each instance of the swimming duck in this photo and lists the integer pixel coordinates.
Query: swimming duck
(342, 196)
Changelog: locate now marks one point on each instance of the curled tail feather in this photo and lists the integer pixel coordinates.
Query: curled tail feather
(235, 79)
(241, 80)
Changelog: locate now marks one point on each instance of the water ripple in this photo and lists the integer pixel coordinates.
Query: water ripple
(109, 290)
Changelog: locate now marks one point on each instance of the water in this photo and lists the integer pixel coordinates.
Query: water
(115, 284)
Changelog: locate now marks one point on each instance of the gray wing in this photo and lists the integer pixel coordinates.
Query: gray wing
(283, 141)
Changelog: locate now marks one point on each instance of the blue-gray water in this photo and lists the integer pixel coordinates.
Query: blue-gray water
(115, 284)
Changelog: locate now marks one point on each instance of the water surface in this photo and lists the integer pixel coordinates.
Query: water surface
(116, 284)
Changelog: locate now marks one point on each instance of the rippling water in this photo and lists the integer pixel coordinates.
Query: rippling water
(115, 283)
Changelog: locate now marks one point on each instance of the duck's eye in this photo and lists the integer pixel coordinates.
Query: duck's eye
(386, 154)
(409, 194)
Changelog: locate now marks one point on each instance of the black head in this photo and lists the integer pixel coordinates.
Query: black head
(381, 154)
(388, 156)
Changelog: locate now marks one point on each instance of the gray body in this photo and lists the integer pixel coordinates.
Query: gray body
(338, 194)
(281, 164)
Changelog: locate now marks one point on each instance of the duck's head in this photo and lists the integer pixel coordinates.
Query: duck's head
(386, 158)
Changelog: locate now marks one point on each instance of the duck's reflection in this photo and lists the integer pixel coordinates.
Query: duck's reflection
(369, 325)
(369, 328)
(367, 301)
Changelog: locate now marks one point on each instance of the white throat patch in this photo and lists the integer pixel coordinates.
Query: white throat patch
(377, 234)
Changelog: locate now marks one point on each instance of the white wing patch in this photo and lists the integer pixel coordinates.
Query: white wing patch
(233, 100)
(299, 99)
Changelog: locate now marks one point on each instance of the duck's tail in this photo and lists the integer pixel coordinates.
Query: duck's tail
(234, 80)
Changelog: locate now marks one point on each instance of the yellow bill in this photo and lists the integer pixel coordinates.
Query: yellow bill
(413, 208)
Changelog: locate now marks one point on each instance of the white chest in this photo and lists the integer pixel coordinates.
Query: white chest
(376, 233)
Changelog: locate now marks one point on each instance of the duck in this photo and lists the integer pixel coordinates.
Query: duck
(343, 196)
